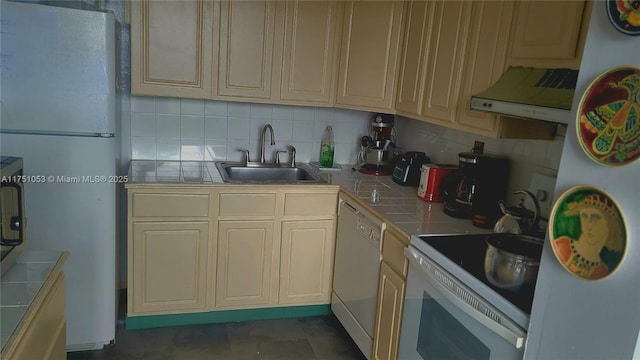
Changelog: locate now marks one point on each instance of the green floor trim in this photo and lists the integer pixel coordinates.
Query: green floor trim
(154, 321)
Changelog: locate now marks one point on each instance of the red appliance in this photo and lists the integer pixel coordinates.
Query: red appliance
(431, 177)
(377, 152)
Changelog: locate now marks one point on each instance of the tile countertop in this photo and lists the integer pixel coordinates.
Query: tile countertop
(20, 286)
(395, 203)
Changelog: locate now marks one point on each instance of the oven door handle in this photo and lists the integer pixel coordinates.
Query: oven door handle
(517, 338)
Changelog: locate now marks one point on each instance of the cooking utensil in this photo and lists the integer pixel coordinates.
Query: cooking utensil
(507, 224)
(527, 220)
(376, 156)
(366, 141)
(512, 261)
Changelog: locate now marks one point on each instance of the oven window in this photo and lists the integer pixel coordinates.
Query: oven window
(441, 336)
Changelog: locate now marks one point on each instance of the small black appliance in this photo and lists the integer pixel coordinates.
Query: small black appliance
(407, 169)
(475, 189)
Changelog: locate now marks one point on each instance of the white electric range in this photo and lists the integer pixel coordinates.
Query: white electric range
(451, 310)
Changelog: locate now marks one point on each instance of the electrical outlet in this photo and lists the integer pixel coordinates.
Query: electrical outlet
(543, 186)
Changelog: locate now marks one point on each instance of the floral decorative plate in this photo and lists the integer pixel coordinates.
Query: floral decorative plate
(588, 233)
(608, 124)
(624, 15)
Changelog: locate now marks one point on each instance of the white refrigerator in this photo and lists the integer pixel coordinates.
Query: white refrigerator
(58, 112)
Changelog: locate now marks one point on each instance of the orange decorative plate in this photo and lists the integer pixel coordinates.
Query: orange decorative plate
(588, 233)
(608, 124)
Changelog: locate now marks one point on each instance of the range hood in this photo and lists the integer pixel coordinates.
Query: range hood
(531, 93)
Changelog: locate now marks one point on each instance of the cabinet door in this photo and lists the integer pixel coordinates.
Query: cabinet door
(308, 57)
(391, 289)
(245, 262)
(369, 52)
(306, 262)
(445, 59)
(168, 266)
(171, 48)
(484, 61)
(418, 20)
(547, 30)
(246, 48)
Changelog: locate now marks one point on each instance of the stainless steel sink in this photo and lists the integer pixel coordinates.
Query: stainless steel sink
(236, 172)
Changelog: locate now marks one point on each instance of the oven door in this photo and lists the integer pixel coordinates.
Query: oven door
(444, 319)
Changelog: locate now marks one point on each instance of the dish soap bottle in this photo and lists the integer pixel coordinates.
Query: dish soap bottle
(327, 148)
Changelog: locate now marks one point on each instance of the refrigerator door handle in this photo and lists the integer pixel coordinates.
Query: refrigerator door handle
(57, 133)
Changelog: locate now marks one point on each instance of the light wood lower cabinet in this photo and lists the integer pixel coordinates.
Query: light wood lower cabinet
(245, 262)
(169, 266)
(229, 247)
(44, 334)
(306, 261)
(391, 290)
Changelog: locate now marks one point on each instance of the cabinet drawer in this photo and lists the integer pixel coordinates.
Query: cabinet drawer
(393, 247)
(234, 204)
(170, 205)
(310, 204)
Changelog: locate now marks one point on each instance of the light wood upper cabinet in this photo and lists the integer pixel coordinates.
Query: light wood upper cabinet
(454, 49)
(371, 33)
(445, 58)
(309, 50)
(168, 267)
(306, 261)
(485, 56)
(411, 80)
(171, 48)
(548, 33)
(246, 49)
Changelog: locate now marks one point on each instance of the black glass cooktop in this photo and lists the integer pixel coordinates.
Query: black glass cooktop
(468, 252)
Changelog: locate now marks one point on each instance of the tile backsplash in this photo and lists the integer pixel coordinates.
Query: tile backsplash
(442, 145)
(190, 129)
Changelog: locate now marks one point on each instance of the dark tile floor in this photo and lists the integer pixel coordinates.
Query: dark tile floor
(309, 338)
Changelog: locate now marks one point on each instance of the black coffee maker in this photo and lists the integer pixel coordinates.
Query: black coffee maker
(475, 189)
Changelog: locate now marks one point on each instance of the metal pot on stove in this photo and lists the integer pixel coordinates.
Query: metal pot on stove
(512, 260)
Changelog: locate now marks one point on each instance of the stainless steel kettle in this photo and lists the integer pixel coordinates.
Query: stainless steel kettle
(518, 219)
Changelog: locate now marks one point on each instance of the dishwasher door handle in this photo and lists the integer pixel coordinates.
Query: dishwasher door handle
(350, 207)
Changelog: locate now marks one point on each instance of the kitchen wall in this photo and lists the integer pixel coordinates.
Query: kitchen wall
(442, 145)
(575, 318)
(191, 129)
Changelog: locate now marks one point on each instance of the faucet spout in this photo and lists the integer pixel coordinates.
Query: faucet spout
(273, 142)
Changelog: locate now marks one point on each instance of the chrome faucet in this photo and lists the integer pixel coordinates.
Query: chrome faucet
(273, 142)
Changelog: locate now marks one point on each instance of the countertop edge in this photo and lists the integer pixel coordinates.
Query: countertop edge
(20, 330)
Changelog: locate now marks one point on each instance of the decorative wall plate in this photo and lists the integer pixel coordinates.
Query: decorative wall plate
(608, 124)
(624, 15)
(588, 233)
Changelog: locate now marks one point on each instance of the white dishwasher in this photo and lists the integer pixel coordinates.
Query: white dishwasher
(356, 271)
